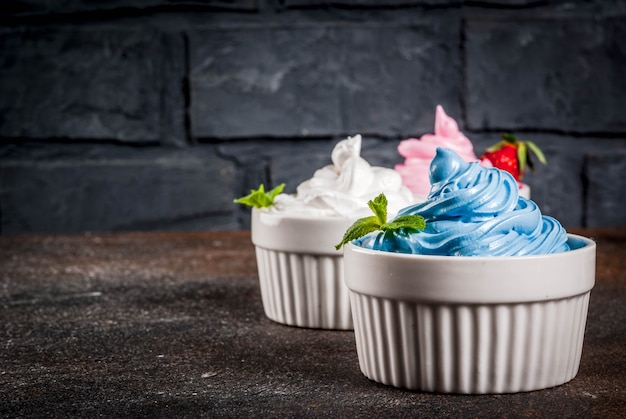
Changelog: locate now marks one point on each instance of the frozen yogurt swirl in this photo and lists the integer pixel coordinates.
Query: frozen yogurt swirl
(419, 153)
(344, 187)
(473, 211)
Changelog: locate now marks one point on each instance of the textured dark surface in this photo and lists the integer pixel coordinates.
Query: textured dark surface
(91, 85)
(327, 79)
(606, 198)
(266, 88)
(518, 78)
(108, 190)
(35, 7)
(172, 325)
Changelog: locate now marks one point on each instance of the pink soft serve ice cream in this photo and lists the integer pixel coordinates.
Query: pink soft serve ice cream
(418, 153)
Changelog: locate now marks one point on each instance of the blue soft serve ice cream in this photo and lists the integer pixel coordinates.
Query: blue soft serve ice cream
(473, 211)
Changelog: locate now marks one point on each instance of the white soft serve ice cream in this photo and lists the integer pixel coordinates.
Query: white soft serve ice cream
(343, 188)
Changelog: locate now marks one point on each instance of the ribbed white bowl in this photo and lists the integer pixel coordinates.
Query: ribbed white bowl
(300, 272)
(470, 325)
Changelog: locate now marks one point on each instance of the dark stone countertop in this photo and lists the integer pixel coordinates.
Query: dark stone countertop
(172, 325)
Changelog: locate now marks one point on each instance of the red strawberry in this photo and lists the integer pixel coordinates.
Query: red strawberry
(512, 155)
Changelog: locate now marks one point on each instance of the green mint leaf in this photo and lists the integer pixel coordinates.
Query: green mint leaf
(378, 221)
(259, 198)
(276, 191)
(360, 228)
(379, 208)
(408, 222)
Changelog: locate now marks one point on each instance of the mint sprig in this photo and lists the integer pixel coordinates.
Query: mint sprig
(258, 198)
(378, 221)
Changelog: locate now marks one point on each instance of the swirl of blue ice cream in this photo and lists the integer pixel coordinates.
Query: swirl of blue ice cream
(473, 211)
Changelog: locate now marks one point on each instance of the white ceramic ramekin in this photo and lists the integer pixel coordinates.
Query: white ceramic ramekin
(300, 272)
(470, 324)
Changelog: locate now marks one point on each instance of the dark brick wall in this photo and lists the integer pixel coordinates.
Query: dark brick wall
(155, 114)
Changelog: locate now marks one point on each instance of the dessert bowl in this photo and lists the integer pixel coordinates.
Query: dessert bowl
(470, 324)
(300, 272)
